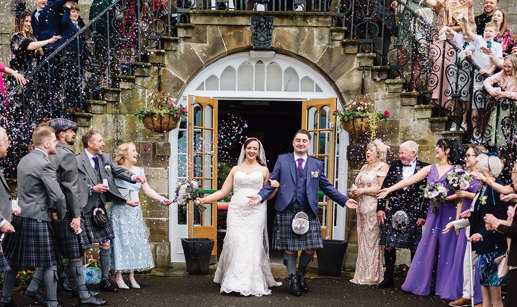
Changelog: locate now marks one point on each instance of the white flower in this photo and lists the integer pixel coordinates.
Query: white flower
(195, 185)
(464, 185)
(315, 174)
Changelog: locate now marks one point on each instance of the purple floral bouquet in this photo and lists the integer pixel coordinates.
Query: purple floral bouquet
(436, 192)
(458, 179)
(187, 191)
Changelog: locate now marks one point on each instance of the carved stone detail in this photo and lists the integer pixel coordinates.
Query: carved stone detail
(262, 32)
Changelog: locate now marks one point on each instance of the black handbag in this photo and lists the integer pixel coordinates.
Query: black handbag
(99, 217)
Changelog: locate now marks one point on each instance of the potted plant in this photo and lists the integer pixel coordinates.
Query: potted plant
(197, 251)
(358, 116)
(161, 113)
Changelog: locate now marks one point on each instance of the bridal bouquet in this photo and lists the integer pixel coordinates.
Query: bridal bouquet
(436, 192)
(187, 191)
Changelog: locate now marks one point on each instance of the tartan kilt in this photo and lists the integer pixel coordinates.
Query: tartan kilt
(409, 237)
(4, 265)
(94, 233)
(70, 245)
(284, 237)
(32, 245)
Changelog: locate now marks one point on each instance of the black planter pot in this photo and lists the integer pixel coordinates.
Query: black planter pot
(197, 254)
(330, 257)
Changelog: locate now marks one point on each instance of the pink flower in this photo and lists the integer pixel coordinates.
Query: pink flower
(171, 105)
(387, 113)
(177, 114)
(184, 110)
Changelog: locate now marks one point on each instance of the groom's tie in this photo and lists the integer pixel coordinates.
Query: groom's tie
(300, 165)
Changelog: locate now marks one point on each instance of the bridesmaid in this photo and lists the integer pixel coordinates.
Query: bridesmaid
(434, 248)
(458, 286)
(368, 269)
(131, 251)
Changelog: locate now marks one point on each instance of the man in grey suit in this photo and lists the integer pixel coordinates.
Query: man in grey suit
(70, 235)
(5, 201)
(95, 169)
(38, 194)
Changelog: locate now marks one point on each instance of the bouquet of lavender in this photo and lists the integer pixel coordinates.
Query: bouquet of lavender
(436, 192)
(187, 191)
(458, 179)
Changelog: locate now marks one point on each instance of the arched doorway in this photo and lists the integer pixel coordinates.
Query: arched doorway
(274, 95)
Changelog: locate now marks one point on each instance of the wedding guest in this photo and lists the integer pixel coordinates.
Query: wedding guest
(96, 183)
(19, 78)
(39, 194)
(489, 7)
(368, 268)
(505, 79)
(25, 48)
(131, 250)
(488, 244)
(504, 35)
(434, 248)
(454, 287)
(509, 229)
(45, 21)
(407, 202)
(244, 263)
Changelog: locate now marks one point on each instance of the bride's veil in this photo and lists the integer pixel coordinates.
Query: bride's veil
(262, 157)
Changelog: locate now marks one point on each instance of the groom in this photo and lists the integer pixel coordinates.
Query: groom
(300, 176)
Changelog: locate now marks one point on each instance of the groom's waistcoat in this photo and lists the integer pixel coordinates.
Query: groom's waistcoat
(300, 194)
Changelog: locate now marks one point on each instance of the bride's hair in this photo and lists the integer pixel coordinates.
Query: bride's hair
(249, 140)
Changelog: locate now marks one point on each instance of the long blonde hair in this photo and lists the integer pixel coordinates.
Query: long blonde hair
(122, 151)
(512, 59)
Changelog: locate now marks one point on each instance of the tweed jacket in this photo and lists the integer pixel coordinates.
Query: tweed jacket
(65, 164)
(88, 178)
(38, 188)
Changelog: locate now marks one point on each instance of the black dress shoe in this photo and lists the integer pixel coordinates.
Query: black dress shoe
(34, 296)
(92, 301)
(75, 293)
(294, 288)
(386, 283)
(106, 285)
(11, 303)
(302, 284)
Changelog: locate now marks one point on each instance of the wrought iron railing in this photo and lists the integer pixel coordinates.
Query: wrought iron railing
(406, 43)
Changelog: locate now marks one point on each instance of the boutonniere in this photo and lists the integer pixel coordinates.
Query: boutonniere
(315, 174)
(417, 168)
(482, 200)
(107, 167)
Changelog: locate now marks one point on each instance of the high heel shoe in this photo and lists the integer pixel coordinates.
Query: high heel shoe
(134, 284)
(121, 284)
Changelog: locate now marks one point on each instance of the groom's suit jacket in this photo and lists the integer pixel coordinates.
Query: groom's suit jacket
(285, 172)
(88, 177)
(5, 199)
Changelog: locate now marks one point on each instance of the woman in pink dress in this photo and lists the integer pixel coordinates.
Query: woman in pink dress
(368, 269)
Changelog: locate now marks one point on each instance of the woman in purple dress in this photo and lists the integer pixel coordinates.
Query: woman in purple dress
(458, 286)
(435, 248)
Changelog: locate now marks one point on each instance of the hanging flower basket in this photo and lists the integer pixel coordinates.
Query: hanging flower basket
(356, 125)
(160, 123)
(161, 114)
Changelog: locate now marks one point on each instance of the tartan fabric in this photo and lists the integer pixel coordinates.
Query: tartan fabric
(32, 245)
(97, 234)
(70, 245)
(4, 265)
(284, 237)
(410, 237)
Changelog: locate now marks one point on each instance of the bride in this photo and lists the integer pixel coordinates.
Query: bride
(244, 262)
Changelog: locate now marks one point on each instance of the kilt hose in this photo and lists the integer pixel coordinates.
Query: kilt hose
(32, 245)
(95, 233)
(284, 237)
(70, 245)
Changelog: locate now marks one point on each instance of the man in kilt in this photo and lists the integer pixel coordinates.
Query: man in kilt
(300, 177)
(403, 214)
(96, 166)
(32, 245)
(5, 202)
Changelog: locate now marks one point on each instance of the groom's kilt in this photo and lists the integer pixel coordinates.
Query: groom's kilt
(284, 237)
(70, 245)
(32, 245)
(94, 233)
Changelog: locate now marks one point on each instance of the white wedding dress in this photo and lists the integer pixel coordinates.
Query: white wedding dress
(244, 262)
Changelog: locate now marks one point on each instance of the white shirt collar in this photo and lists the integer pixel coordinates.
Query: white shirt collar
(90, 156)
(297, 157)
(36, 148)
